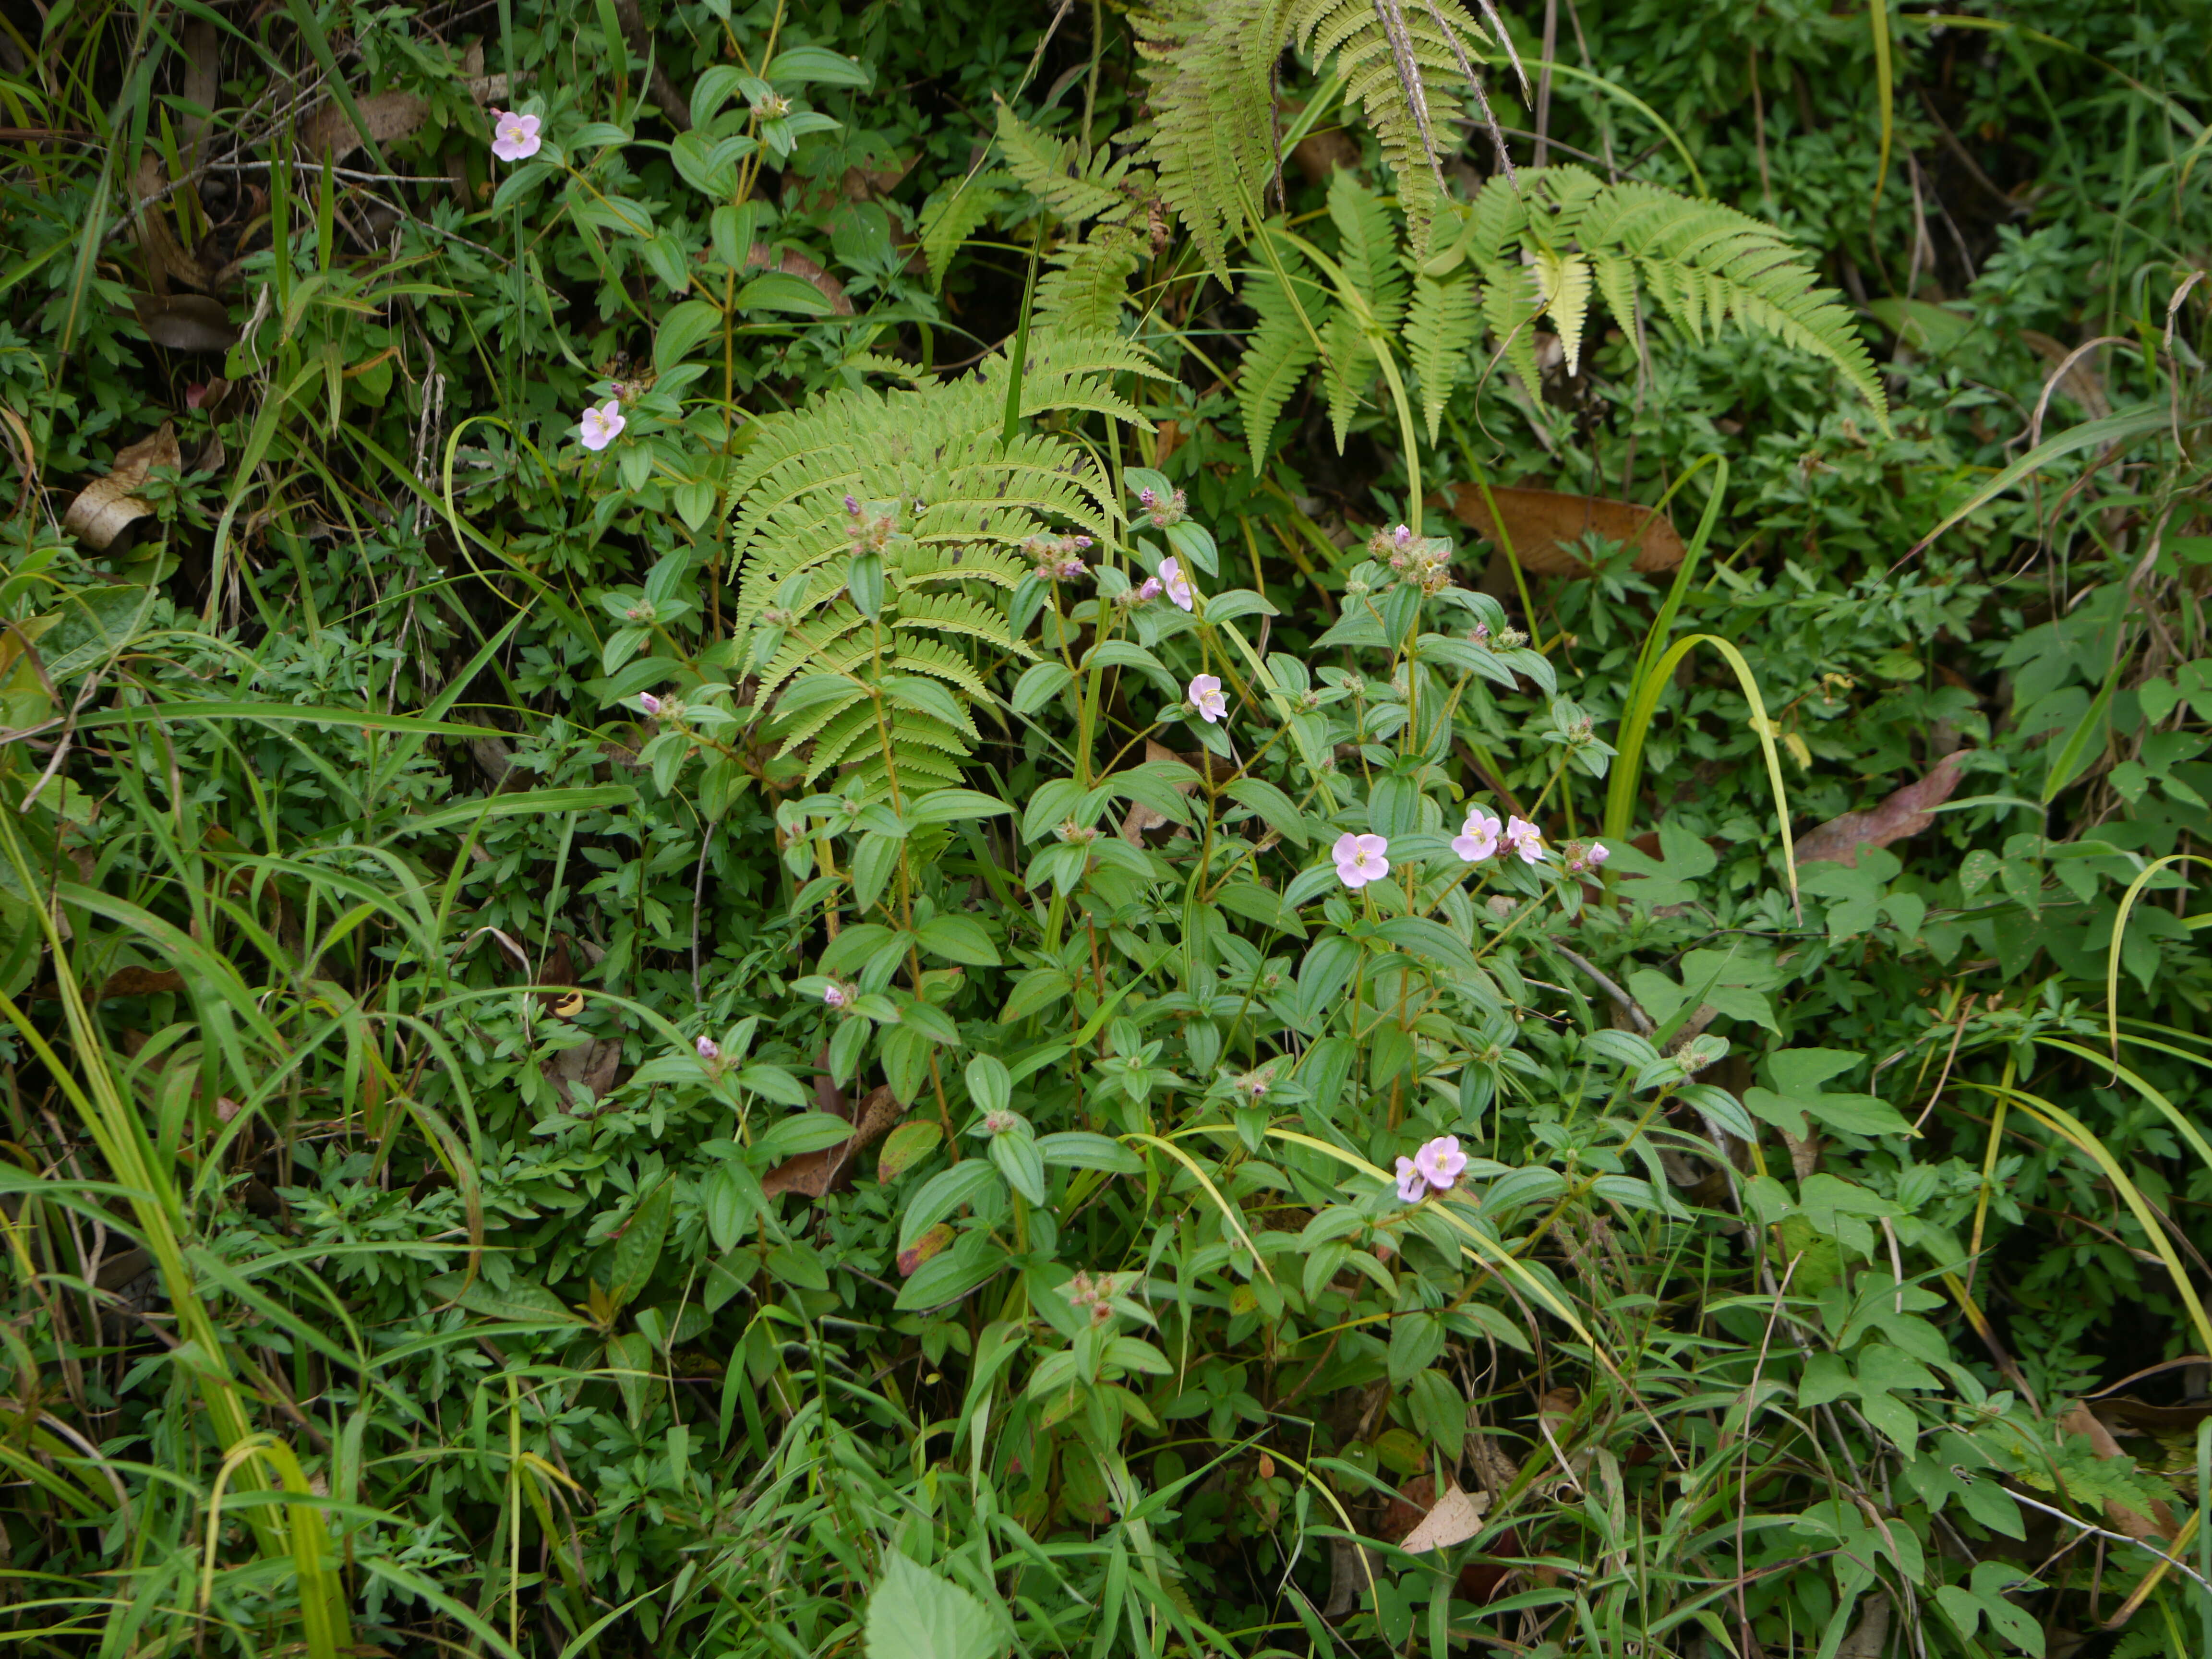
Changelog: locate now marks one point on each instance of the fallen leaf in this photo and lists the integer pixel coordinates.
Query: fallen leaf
(1904, 812)
(107, 505)
(388, 116)
(140, 982)
(589, 1064)
(812, 1173)
(1455, 1518)
(1544, 525)
(185, 322)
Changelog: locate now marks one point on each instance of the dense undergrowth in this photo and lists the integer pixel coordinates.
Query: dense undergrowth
(808, 850)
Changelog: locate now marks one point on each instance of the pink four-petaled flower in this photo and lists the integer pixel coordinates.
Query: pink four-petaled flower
(1524, 838)
(1412, 1185)
(603, 424)
(1440, 1161)
(513, 137)
(1206, 697)
(1360, 859)
(1478, 837)
(1177, 584)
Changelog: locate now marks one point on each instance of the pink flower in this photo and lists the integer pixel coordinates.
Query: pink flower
(1359, 860)
(1440, 1161)
(1412, 1185)
(707, 1049)
(1148, 589)
(603, 424)
(514, 138)
(1478, 837)
(1205, 696)
(838, 996)
(648, 703)
(1177, 584)
(1524, 838)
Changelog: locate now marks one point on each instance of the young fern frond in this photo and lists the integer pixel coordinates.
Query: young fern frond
(951, 507)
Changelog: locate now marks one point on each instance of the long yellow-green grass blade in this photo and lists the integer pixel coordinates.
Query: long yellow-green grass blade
(2119, 931)
(1885, 91)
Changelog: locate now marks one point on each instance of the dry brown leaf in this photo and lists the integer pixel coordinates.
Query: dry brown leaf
(164, 255)
(139, 982)
(1904, 812)
(813, 1173)
(1544, 524)
(1872, 1635)
(594, 1065)
(184, 322)
(1455, 1518)
(389, 117)
(107, 505)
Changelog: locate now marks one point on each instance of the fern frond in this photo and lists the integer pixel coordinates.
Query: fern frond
(1276, 354)
(1705, 262)
(1048, 168)
(1394, 60)
(1440, 333)
(963, 501)
(955, 212)
(1563, 282)
(1090, 282)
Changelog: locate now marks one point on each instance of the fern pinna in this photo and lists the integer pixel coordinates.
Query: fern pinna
(880, 537)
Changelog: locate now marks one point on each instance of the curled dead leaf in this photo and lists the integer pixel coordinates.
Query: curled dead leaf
(1545, 524)
(1903, 812)
(107, 506)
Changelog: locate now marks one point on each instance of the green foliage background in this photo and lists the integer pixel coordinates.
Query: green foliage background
(392, 1269)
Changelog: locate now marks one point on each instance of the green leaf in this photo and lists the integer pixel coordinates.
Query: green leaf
(1039, 684)
(637, 1251)
(779, 290)
(990, 1086)
(954, 806)
(682, 331)
(799, 66)
(805, 1132)
(943, 1193)
(1080, 1149)
(958, 938)
(1275, 809)
(521, 1303)
(1015, 1153)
